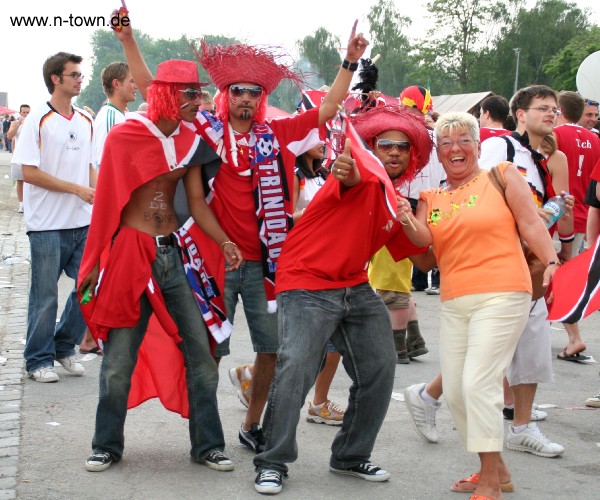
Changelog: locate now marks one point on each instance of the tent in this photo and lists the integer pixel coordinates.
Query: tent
(6, 111)
(468, 103)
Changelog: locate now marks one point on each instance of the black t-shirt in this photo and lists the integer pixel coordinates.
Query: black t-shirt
(590, 198)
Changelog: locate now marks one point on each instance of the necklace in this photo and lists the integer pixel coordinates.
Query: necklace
(462, 185)
(456, 203)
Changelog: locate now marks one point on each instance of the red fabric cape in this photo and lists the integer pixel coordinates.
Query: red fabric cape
(134, 154)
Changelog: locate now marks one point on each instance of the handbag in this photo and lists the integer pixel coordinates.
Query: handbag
(535, 265)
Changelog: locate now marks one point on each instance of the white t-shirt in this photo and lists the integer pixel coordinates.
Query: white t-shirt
(61, 147)
(495, 150)
(430, 177)
(107, 118)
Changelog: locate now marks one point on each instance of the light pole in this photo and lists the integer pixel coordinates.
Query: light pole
(518, 53)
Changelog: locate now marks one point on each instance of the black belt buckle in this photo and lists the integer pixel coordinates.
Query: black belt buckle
(164, 241)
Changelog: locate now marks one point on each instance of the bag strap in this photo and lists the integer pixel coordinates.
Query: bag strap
(497, 179)
(510, 149)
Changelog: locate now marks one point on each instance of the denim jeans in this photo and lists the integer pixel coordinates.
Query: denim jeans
(120, 357)
(53, 252)
(248, 283)
(358, 324)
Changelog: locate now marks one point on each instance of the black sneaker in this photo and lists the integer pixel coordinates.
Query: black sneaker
(509, 413)
(269, 481)
(99, 461)
(254, 438)
(216, 460)
(367, 471)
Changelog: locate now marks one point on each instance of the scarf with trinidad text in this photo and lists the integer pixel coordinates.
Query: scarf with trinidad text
(272, 199)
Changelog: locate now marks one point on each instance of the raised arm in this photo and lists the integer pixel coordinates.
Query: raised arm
(139, 70)
(357, 45)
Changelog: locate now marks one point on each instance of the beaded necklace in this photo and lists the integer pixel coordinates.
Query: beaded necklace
(455, 195)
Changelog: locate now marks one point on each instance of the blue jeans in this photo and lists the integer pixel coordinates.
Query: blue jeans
(358, 324)
(53, 252)
(248, 283)
(120, 357)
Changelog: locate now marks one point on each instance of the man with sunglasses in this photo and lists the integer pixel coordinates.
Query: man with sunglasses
(250, 187)
(323, 294)
(54, 152)
(134, 221)
(589, 117)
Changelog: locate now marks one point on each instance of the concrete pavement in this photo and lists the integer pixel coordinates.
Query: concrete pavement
(46, 429)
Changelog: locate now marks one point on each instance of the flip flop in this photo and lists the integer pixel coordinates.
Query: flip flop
(476, 496)
(577, 357)
(469, 485)
(95, 350)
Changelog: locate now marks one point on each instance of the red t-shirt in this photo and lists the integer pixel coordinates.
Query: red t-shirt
(582, 149)
(238, 214)
(340, 231)
(487, 132)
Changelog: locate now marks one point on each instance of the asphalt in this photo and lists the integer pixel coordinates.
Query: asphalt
(46, 429)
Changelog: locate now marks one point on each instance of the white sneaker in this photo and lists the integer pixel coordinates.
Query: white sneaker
(45, 374)
(531, 440)
(537, 415)
(422, 413)
(20, 209)
(241, 378)
(72, 365)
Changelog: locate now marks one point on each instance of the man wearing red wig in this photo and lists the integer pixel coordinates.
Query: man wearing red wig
(251, 192)
(134, 222)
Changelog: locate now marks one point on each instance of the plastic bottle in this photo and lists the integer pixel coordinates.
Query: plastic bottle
(557, 206)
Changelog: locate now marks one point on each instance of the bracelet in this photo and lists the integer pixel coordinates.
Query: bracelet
(566, 238)
(553, 263)
(227, 243)
(350, 66)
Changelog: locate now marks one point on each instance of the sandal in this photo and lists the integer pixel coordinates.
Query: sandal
(577, 357)
(476, 496)
(469, 485)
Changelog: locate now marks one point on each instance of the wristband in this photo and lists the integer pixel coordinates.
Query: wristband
(350, 66)
(566, 238)
(553, 263)
(227, 243)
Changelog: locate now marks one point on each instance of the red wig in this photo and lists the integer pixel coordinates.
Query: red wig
(163, 101)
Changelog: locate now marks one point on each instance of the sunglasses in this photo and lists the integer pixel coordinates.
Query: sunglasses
(592, 103)
(386, 145)
(191, 93)
(238, 91)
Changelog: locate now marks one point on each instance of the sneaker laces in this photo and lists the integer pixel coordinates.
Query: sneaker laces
(538, 434)
(334, 407)
(368, 467)
(269, 476)
(216, 456)
(257, 433)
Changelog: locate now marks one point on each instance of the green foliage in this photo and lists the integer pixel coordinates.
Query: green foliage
(321, 51)
(562, 68)
(540, 33)
(387, 40)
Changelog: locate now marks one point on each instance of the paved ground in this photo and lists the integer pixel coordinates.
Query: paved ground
(46, 429)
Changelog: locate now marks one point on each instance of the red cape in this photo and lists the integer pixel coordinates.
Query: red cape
(135, 152)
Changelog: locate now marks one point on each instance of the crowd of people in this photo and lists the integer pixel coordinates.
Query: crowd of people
(168, 216)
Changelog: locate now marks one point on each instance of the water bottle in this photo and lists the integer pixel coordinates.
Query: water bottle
(557, 206)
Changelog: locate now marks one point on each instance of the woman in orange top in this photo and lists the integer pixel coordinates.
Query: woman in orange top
(473, 230)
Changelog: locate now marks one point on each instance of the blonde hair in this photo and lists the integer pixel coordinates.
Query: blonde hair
(549, 144)
(457, 122)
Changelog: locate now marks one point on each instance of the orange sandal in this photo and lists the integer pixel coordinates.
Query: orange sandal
(480, 497)
(469, 485)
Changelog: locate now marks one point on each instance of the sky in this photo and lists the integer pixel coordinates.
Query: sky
(259, 22)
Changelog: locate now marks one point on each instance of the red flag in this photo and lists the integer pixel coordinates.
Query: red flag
(576, 287)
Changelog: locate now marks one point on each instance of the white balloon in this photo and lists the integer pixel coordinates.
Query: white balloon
(588, 77)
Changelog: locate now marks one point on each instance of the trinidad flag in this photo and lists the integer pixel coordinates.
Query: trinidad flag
(575, 287)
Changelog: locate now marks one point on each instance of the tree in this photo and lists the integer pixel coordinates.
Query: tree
(388, 41)
(464, 30)
(540, 33)
(321, 50)
(562, 68)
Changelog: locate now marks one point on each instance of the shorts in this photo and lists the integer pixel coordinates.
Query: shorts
(16, 173)
(248, 283)
(532, 361)
(394, 300)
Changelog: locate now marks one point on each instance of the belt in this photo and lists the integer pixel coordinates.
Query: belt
(165, 241)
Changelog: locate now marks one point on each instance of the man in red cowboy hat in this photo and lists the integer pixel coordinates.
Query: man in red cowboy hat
(134, 222)
(323, 293)
(250, 193)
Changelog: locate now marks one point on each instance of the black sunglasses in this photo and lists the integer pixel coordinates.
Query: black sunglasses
(386, 145)
(191, 93)
(238, 91)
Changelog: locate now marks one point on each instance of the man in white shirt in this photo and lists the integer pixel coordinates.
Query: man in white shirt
(13, 135)
(58, 197)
